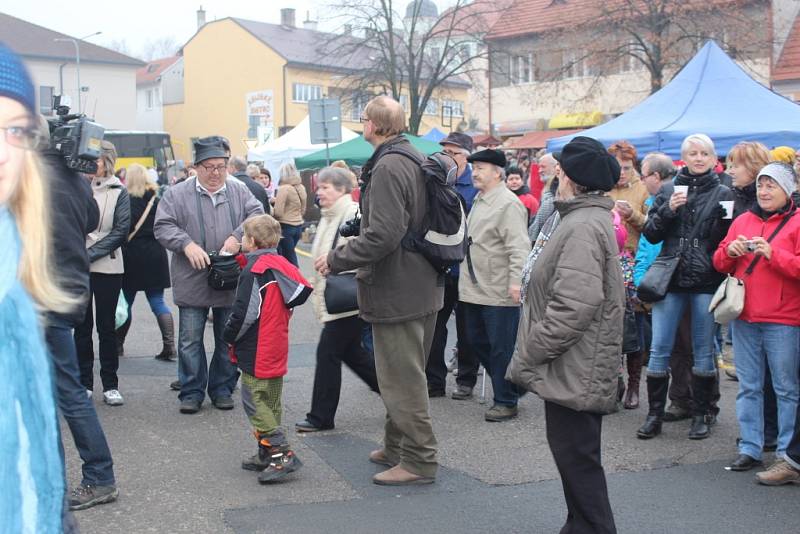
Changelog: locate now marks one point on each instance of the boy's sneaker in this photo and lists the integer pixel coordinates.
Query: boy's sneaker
(112, 397)
(86, 495)
(778, 474)
(281, 465)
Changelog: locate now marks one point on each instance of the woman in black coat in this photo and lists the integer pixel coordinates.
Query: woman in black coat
(146, 266)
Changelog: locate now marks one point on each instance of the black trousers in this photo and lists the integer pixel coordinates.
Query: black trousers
(574, 440)
(104, 291)
(339, 342)
(436, 368)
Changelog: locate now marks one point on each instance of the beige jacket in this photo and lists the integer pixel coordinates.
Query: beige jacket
(636, 194)
(290, 204)
(343, 210)
(498, 230)
(105, 242)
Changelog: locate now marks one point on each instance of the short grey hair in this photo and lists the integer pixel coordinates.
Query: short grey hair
(698, 139)
(660, 163)
(339, 178)
(253, 170)
(548, 155)
(237, 163)
(502, 172)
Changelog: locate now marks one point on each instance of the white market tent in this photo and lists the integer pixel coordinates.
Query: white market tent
(293, 144)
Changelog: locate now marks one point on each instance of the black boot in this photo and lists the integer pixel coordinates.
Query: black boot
(167, 328)
(260, 460)
(122, 333)
(657, 387)
(283, 462)
(702, 389)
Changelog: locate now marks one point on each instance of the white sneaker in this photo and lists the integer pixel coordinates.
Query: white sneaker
(112, 397)
(89, 393)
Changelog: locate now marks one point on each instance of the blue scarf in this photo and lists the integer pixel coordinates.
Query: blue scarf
(31, 469)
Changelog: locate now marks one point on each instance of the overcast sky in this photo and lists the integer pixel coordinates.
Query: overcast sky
(138, 21)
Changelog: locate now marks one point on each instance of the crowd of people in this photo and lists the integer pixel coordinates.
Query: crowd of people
(582, 267)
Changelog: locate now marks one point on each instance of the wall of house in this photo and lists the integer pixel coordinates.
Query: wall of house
(172, 83)
(790, 89)
(149, 111)
(111, 95)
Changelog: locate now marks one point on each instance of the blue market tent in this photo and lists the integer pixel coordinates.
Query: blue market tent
(710, 95)
(434, 135)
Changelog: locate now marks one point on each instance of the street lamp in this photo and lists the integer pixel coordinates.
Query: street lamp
(77, 61)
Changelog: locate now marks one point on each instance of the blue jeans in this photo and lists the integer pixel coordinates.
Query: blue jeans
(76, 407)
(290, 235)
(757, 346)
(155, 297)
(193, 370)
(667, 316)
(491, 333)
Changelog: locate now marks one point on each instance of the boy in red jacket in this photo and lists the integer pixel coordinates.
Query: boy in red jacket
(258, 334)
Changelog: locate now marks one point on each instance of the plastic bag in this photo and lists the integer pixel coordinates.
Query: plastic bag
(121, 315)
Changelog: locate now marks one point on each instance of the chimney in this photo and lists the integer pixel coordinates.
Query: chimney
(201, 17)
(287, 17)
(308, 23)
(348, 29)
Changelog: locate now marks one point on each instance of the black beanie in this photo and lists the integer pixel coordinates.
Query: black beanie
(587, 162)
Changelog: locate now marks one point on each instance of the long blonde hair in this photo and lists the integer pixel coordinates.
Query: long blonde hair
(31, 209)
(136, 180)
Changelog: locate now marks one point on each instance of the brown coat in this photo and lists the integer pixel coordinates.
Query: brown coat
(570, 332)
(290, 204)
(394, 284)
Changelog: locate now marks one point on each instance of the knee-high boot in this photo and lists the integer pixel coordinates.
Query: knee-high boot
(702, 390)
(167, 328)
(657, 387)
(634, 361)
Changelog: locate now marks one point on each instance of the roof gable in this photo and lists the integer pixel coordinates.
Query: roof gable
(151, 72)
(788, 65)
(32, 41)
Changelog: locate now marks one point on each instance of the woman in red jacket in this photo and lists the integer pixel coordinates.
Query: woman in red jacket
(516, 184)
(763, 249)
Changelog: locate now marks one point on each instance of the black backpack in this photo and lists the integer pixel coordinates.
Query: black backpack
(442, 238)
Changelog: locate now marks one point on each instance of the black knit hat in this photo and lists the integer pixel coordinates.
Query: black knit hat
(495, 157)
(587, 162)
(207, 148)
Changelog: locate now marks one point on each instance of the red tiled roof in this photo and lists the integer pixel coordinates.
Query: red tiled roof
(788, 65)
(537, 16)
(536, 139)
(150, 72)
(485, 140)
(475, 18)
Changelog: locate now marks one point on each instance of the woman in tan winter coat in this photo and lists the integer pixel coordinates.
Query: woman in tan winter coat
(290, 205)
(340, 340)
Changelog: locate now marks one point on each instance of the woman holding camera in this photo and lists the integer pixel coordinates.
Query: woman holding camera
(763, 249)
(690, 221)
(340, 340)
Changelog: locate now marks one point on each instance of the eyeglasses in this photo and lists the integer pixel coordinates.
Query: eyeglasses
(214, 168)
(23, 137)
(452, 153)
(363, 119)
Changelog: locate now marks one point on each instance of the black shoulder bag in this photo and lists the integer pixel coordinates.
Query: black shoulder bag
(223, 273)
(656, 280)
(341, 290)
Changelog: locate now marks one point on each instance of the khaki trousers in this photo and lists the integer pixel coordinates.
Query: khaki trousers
(401, 353)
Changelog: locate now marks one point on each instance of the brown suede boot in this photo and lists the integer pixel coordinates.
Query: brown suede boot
(397, 476)
(634, 362)
(167, 327)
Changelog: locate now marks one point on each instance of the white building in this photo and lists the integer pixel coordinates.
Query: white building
(107, 79)
(150, 92)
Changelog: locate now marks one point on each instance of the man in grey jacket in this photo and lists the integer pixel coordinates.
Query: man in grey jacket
(194, 218)
(399, 293)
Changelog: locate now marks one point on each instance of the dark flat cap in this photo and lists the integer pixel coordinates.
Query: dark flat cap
(495, 157)
(587, 162)
(207, 148)
(458, 139)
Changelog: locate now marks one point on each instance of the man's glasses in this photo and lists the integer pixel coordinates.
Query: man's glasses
(452, 153)
(23, 137)
(214, 168)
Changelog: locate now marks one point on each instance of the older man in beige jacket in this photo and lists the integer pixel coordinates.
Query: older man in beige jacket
(489, 281)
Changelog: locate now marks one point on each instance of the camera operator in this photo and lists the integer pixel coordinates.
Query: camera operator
(74, 214)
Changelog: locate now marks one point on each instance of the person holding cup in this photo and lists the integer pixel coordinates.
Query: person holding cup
(688, 219)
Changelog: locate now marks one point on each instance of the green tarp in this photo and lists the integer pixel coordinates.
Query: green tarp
(357, 151)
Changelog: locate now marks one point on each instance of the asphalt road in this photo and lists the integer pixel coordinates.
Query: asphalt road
(180, 473)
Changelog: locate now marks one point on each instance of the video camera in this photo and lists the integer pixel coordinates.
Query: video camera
(76, 138)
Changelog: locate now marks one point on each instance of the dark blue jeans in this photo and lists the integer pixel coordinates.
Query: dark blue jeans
(193, 370)
(155, 297)
(76, 407)
(290, 235)
(491, 332)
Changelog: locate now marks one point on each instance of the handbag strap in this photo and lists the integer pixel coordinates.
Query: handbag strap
(200, 214)
(143, 217)
(783, 223)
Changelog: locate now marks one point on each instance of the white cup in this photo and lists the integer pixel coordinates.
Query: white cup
(727, 205)
(682, 189)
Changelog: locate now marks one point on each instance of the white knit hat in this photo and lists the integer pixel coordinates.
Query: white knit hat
(782, 173)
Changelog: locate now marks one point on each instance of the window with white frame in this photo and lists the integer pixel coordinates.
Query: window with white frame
(46, 100)
(404, 102)
(432, 107)
(520, 68)
(302, 92)
(357, 104)
(454, 108)
(148, 99)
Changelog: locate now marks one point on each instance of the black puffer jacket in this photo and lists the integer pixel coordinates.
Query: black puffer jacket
(695, 273)
(744, 198)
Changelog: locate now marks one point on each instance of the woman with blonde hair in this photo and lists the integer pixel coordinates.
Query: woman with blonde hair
(290, 206)
(146, 265)
(31, 468)
(105, 283)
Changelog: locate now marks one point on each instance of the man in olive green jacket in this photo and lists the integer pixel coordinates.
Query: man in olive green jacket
(570, 335)
(399, 292)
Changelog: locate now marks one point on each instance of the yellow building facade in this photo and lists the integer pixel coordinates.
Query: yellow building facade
(239, 86)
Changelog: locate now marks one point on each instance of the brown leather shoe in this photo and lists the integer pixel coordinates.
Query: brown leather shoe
(397, 476)
(379, 457)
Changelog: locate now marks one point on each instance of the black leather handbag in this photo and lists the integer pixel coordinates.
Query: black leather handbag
(223, 273)
(341, 290)
(655, 283)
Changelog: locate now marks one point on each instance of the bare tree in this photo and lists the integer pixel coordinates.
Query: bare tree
(159, 47)
(119, 45)
(410, 56)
